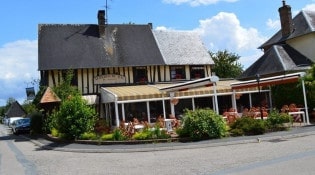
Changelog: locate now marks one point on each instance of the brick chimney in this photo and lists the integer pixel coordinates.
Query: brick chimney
(101, 22)
(286, 19)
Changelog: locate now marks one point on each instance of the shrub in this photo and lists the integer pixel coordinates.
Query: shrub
(36, 124)
(247, 126)
(202, 124)
(143, 135)
(107, 137)
(276, 120)
(74, 118)
(54, 132)
(102, 126)
(118, 135)
(89, 136)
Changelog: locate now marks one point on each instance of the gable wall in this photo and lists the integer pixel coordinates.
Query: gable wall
(305, 45)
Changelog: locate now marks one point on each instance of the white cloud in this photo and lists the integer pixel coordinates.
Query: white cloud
(309, 7)
(224, 32)
(196, 2)
(163, 28)
(18, 65)
(273, 24)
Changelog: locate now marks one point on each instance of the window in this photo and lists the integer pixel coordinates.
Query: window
(178, 73)
(197, 72)
(140, 75)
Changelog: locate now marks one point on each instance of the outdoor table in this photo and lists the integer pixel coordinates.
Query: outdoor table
(298, 113)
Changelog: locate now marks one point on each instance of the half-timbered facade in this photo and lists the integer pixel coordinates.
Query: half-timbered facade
(105, 56)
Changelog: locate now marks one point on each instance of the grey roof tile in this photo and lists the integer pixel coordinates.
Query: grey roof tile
(15, 110)
(79, 46)
(182, 48)
(277, 60)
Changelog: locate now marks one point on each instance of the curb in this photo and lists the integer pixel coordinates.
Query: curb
(151, 147)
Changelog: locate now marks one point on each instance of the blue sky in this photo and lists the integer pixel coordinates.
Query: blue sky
(239, 26)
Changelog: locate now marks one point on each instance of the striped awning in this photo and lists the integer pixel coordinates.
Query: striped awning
(153, 92)
(276, 80)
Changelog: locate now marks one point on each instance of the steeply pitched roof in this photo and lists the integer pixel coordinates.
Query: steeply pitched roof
(182, 48)
(49, 96)
(304, 23)
(278, 59)
(79, 46)
(15, 110)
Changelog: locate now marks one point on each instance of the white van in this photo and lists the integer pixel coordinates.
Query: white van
(12, 119)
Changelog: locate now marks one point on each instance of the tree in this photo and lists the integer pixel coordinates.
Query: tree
(226, 65)
(74, 117)
(309, 79)
(64, 89)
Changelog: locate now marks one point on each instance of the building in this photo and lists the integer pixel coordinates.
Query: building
(290, 50)
(124, 69)
(15, 110)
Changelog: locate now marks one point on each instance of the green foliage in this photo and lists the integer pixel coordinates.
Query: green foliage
(247, 126)
(226, 65)
(105, 137)
(54, 132)
(118, 135)
(5, 108)
(36, 123)
(281, 97)
(202, 124)
(74, 117)
(276, 120)
(144, 135)
(151, 133)
(309, 79)
(29, 107)
(88, 136)
(39, 95)
(64, 90)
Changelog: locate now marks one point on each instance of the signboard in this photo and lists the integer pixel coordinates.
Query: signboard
(30, 93)
(109, 79)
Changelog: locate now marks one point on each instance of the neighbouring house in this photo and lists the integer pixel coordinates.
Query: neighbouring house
(290, 50)
(15, 110)
(287, 54)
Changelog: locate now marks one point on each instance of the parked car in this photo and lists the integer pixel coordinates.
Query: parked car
(5, 120)
(21, 126)
(12, 119)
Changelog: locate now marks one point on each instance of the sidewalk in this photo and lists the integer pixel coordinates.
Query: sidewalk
(294, 132)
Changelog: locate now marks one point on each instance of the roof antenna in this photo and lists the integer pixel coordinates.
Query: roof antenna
(106, 10)
(283, 2)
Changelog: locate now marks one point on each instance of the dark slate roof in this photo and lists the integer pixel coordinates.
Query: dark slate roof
(304, 23)
(15, 110)
(279, 59)
(79, 46)
(182, 48)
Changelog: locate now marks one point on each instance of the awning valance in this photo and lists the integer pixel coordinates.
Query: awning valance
(282, 79)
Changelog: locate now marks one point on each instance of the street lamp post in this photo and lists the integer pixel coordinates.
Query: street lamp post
(259, 93)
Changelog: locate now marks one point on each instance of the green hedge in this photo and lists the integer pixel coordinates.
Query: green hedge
(202, 124)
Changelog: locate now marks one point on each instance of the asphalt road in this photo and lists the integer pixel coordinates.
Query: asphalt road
(279, 153)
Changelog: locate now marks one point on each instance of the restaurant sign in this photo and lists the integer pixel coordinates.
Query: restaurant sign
(109, 79)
